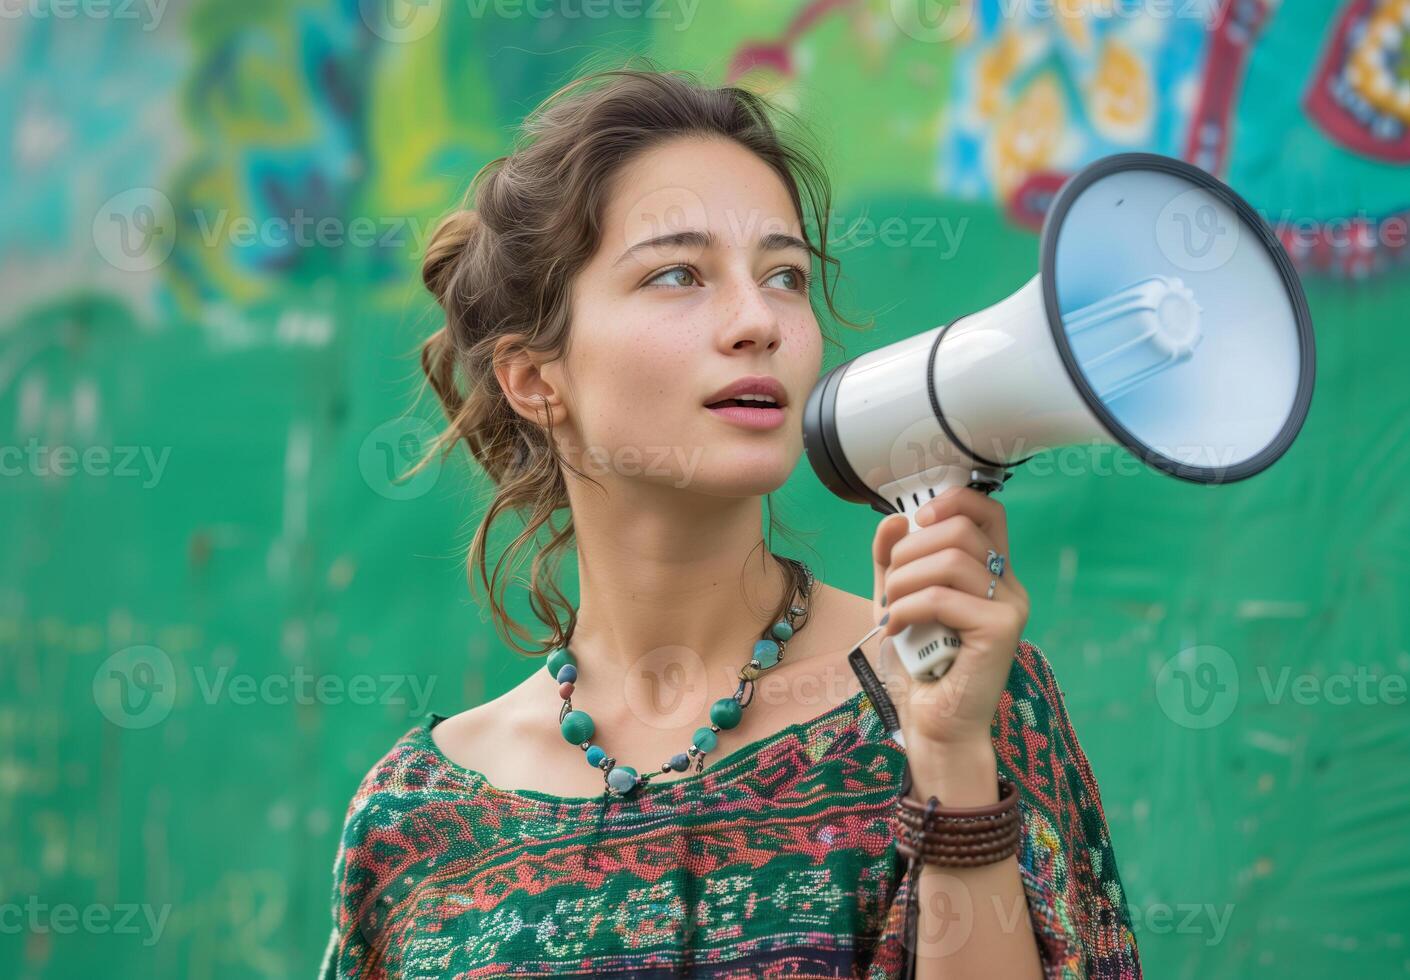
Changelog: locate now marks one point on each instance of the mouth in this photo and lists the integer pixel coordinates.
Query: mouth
(749, 412)
(754, 402)
(746, 401)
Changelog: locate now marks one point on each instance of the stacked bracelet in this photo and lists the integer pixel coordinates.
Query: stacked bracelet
(960, 837)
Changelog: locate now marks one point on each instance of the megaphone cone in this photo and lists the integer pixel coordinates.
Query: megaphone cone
(1165, 318)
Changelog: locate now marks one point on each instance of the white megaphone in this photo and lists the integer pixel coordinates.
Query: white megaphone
(1165, 319)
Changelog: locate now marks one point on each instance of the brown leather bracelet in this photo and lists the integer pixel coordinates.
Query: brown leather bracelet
(969, 824)
(941, 838)
(1007, 803)
(934, 840)
(994, 851)
(960, 836)
(987, 854)
(955, 861)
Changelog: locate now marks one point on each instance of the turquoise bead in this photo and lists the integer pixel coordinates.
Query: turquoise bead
(577, 727)
(726, 712)
(622, 778)
(766, 652)
(782, 631)
(558, 659)
(595, 755)
(704, 740)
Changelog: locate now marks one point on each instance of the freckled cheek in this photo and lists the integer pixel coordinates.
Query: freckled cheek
(668, 341)
(639, 377)
(802, 334)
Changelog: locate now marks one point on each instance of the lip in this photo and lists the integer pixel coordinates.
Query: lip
(757, 384)
(751, 418)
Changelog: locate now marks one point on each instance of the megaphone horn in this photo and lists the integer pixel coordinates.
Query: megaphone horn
(1165, 319)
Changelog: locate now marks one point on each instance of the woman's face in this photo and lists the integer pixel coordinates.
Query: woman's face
(700, 281)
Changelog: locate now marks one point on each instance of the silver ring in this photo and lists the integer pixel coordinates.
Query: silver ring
(995, 563)
(993, 584)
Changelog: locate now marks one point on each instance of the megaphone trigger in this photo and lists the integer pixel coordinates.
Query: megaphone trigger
(984, 480)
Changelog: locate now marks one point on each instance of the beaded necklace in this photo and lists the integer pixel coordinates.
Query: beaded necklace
(578, 727)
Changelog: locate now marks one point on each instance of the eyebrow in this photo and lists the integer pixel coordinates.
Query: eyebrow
(691, 238)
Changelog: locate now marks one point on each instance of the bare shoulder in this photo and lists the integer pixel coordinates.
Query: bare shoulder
(465, 737)
(842, 608)
(838, 619)
(513, 743)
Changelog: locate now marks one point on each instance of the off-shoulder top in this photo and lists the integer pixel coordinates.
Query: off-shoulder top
(779, 859)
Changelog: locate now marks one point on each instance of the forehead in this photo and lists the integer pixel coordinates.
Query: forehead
(705, 183)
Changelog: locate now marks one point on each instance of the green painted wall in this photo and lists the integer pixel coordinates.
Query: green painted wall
(198, 426)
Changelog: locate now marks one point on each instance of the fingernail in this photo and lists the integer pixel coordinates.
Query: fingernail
(883, 599)
(883, 620)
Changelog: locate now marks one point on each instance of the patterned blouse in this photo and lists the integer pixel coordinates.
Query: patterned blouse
(777, 861)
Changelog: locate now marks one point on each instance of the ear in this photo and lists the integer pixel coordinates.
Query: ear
(528, 381)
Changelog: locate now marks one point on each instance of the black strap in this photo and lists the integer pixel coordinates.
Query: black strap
(885, 707)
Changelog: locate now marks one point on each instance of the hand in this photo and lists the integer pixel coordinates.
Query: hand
(935, 574)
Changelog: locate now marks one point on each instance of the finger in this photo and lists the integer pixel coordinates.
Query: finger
(958, 531)
(981, 508)
(889, 531)
(951, 566)
(892, 672)
(954, 608)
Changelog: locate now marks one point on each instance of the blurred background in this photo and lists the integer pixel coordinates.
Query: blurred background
(219, 606)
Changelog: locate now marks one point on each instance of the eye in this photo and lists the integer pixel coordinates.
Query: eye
(794, 278)
(679, 275)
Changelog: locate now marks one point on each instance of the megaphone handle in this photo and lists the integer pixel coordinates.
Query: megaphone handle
(928, 651)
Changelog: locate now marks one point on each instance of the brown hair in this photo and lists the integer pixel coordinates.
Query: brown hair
(501, 269)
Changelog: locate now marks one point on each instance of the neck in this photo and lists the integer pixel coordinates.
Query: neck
(674, 588)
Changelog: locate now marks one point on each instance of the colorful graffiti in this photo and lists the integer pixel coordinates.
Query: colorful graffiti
(1042, 93)
(1054, 86)
(1360, 95)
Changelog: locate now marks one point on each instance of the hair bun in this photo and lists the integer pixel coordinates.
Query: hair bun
(448, 243)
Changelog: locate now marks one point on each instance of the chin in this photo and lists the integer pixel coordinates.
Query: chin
(729, 465)
(736, 490)
(743, 477)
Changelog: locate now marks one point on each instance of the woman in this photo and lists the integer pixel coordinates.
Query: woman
(630, 338)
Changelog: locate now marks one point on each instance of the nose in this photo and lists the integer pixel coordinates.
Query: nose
(751, 322)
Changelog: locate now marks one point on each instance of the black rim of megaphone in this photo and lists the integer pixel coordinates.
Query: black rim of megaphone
(823, 447)
(1067, 196)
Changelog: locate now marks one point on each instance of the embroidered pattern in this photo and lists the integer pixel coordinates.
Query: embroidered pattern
(779, 860)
